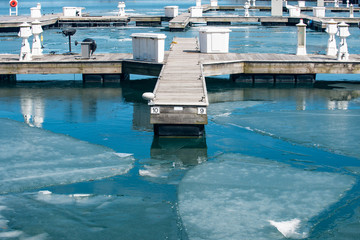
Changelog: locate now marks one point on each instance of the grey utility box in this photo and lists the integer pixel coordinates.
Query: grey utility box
(85, 49)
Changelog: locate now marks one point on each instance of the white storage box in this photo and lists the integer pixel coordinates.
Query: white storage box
(148, 47)
(214, 40)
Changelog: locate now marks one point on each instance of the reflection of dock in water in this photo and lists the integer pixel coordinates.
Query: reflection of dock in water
(190, 151)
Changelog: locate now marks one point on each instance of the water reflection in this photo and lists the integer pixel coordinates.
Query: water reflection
(187, 151)
(33, 110)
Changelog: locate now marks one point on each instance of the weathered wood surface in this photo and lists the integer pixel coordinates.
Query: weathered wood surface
(62, 64)
(270, 63)
(180, 22)
(15, 21)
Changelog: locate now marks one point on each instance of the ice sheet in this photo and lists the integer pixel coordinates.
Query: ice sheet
(337, 131)
(242, 197)
(39, 215)
(34, 158)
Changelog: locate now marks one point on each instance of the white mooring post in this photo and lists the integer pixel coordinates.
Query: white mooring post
(331, 29)
(343, 33)
(320, 3)
(13, 7)
(347, 3)
(253, 3)
(276, 8)
(36, 44)
(246, 7)
(121, 7)
(25, 33)
(336, 3)
(351, 11)
(301, 44)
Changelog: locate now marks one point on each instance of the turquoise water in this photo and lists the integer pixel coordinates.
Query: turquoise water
(81, 162)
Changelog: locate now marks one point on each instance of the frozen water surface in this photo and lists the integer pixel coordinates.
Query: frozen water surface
(34, 158)
(241, 197)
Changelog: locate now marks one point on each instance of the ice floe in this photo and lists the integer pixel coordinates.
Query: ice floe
(243, 197)
(34, 158)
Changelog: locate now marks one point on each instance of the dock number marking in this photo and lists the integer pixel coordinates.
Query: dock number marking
(201, 110)
(155, 110)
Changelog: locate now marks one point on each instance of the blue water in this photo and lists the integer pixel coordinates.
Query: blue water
(271, 154)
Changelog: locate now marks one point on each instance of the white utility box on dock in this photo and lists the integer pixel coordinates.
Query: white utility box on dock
(35, 12)
(196, 12)
(171, 11)
(213, 3)
(214, 40)
(72, 11)
(294, 11)
(148, 47)
(319, 12)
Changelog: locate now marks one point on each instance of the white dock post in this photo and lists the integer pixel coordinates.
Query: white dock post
(213, 3)
(36, 44)
(253, 3)
(276, 8)
(301, 44)
(198, 3)
(336, 3)
(347, 3)
(320, 3)
(13, 4)
(351, 11)
(246, 7)
(121, 7)
(25, 33)
(331, 29)
(343, 33)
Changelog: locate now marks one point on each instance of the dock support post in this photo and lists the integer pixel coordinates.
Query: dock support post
(301, 45)
(351, 11)
(7, 78)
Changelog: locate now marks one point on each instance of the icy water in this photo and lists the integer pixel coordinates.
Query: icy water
(81, 162)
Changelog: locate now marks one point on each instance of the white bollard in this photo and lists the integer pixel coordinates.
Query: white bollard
(36, 44)
(253, 3)
(343, 33)
(301, 44)
(336, 3)
(25, 33)
(331, 29)
(347, 3)
(351, 15)
(121, 6)
(246, 7)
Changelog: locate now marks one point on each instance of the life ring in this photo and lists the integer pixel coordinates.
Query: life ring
(13, 3)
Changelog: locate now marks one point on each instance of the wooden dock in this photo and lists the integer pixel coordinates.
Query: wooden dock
(180, 93)
(180, 103)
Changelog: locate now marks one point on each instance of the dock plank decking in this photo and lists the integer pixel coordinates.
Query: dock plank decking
(180, 93)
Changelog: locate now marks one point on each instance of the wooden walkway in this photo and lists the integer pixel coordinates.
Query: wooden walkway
(180, 93)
